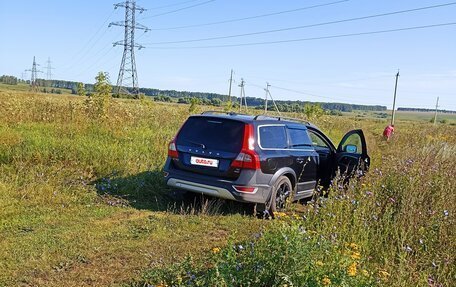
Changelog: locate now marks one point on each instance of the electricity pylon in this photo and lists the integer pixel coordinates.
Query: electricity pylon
(128, 76)
(34, 77)
(49, 69)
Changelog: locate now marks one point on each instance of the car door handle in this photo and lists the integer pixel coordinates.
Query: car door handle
(300, 160)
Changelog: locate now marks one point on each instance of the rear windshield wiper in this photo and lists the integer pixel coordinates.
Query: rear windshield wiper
(203, 146)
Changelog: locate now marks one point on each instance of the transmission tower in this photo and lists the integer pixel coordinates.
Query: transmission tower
(128, 77)
(34, 71)
(49, 69)
(242, 97)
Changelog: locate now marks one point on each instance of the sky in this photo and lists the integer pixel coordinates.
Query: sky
(352, 69)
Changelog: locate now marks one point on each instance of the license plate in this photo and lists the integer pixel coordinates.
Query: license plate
(204, 161)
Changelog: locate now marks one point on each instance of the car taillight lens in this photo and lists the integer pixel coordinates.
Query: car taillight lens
(245, 189)
(247, 158)
(172, 151)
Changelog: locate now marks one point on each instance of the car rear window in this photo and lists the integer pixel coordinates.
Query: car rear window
(273, 137)
(212, 133)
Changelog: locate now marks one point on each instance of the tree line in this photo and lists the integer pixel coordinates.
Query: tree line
(203, 97)
(425, 110)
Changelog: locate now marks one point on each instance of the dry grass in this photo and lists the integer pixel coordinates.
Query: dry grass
(82, 201)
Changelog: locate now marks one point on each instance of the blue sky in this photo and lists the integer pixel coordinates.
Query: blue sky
(361, 69)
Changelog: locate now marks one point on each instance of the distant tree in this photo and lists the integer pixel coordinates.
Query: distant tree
(216, 102)
(103, 86)
(193, 105)
(97, 104)
(81, 90)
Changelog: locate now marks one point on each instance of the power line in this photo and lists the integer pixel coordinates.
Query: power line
(172, 5)
(312, 38)
(180, 9)
(315, 95)
(306, 26)
(249, 18)
(78, 56)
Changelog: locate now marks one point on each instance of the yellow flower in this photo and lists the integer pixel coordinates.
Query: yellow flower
(354, 246)
(215, 250)
(356, 255)
(280, 214)
(319, 263)
(352, 269)
(365, 272)
(326, 281)
(383, 274)
(161, 284)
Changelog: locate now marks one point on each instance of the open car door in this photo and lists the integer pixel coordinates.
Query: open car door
(352, 158)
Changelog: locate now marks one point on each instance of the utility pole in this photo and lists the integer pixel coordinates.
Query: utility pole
(436, 109)
(242, 97)
(266, 98)
(231, 82)
(269, 93)
(394, 102)
(128, 76)
(49, 69)
(34, 77)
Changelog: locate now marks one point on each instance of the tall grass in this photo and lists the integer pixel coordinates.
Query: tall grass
(83, 197)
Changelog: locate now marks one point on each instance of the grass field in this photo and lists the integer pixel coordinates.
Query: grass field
(83, 203)
(406, 116)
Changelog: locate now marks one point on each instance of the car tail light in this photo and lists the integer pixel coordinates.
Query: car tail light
(245, 189)
(172, 151)
(247, 158)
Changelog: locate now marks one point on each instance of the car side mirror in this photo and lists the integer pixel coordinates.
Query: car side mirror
(351, 148)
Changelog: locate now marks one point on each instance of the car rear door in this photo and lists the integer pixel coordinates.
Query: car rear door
(351, 156)
(208, 145)
(305, 158)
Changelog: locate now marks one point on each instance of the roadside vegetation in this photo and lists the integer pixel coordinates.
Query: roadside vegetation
(82, 202)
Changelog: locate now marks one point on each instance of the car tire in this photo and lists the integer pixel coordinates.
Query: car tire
(281, 193)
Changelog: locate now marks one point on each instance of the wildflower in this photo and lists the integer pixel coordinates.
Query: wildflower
(352, 269)
(356, 255)
(421, 241)
(408, 248)
(365, 272)
(240, 247)
(446, 213)
(326, 281)
(383, 274)
(215, 250)
(319, 263)
(354, 246)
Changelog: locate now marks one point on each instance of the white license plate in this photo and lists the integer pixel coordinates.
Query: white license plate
(204, 161)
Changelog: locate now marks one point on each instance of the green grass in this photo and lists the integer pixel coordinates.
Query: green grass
(404, 116)
(82, 202)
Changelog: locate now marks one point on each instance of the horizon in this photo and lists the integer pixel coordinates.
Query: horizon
(352, 69)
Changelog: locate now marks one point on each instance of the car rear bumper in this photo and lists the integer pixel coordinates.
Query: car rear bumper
(221, 188)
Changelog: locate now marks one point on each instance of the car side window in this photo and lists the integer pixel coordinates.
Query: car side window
(299, 139)
(317, 141)
(273, 137)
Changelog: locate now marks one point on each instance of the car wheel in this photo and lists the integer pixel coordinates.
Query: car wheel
(280, 196)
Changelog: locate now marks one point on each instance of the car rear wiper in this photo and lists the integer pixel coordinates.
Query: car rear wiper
(299, 145)
(203, 146)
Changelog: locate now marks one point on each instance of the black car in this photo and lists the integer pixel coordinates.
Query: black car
(259, 159)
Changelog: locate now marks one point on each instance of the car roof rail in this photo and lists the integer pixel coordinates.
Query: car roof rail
(280, 118)
(219, 112)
